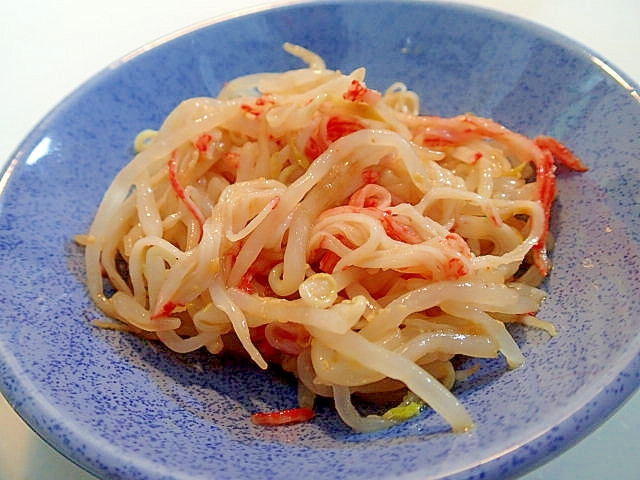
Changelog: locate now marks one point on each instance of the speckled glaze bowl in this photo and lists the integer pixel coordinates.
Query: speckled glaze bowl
(125, 408)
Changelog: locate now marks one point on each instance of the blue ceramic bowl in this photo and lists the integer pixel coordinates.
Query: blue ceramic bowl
(125, 408)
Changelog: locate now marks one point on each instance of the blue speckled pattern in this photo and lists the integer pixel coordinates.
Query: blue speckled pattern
(124, 408)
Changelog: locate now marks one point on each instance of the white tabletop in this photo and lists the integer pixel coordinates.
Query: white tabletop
(49, 48)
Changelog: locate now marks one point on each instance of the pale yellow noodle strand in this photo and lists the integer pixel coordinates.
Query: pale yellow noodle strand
(390, 364)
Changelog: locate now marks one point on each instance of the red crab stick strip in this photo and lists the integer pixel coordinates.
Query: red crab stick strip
(545, 174)
(180, 191)
(283, 417)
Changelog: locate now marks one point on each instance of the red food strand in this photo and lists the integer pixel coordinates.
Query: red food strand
(251, 110)
(166, 310)
(359, 93)
(265, 100)
(336, 128)
(561, 153)
(399, 231)
(246, 283)
(203, 142)
(551, 149)
(456, 268)
(546, 179)
(329, 261)
(180, 191)
(314, 148)
(261, 105)
(283, 417)
(173, 177)
(370, 175)
(356, 91)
